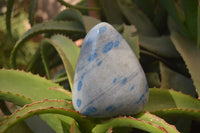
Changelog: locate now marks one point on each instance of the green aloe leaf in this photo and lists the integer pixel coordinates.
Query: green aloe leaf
(32, 9)
(9, 7)
(68, 52)
(159, 45)
(132, 39)
(156, 120)
(66, 122)
(21, 88)
(44, 49)
(70, 15)
(174, 105)
(112, 11)
(145, 121)
(14, 97)
(147, 6)
(20, 127)
(46, 106)
(176, 13)
(90, 22)
(48, 27)
(58, 122)
(74, 128)
(191, 55)
(190, 11)
(35, 64)
(55, 121)
(177, 81)
(60, 76)
(137, 18)
(160, 99)
(24, 90)
(150, 54)
(160, 18)
(153, 79)
(170, 6)
(179, 113)
(110, 130)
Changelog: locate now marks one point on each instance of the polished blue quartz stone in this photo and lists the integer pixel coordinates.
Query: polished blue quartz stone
(109, 79)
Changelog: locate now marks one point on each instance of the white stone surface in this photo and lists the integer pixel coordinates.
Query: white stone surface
(109, 79)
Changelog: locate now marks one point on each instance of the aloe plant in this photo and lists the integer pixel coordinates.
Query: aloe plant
(164, 36)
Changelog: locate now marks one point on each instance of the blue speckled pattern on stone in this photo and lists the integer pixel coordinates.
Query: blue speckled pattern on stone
(109, 80)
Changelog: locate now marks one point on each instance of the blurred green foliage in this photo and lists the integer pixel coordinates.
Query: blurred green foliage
(165, 36)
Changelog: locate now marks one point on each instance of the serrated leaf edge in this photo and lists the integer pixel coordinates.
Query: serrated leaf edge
(32, 111)
(16, 94)
(160, 119)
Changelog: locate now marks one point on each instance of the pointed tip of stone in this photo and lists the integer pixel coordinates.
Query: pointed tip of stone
(103, 23)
